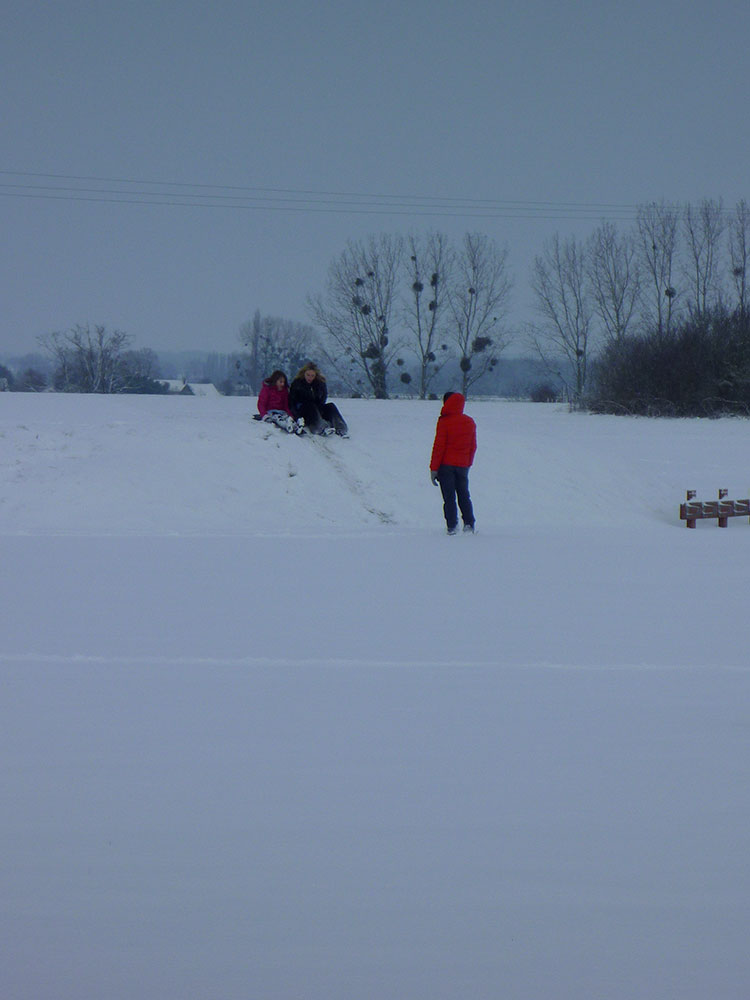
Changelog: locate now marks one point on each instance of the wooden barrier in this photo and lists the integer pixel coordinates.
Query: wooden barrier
(697, 510)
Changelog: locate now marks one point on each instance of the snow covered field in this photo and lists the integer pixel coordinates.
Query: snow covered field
(266, 732)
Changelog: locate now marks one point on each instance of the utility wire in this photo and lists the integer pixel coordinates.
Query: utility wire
(305, 191)
(180, 194)
(417, 211)
(297, 200)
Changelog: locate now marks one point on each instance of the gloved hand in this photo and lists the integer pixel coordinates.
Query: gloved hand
(434, 478)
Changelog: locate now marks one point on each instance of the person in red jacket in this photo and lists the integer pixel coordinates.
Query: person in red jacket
(452, 456)
(273, 404)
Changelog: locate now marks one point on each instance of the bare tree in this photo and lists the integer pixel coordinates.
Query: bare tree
(87, 360)
(357, 309)
(658, 226)
(272, 342)
(143, 363)
(615, 279)
(479, 296)
(251, 366)
(703, 229)
(426, 304)
(564, 301)
(139, 371)
(739, 251)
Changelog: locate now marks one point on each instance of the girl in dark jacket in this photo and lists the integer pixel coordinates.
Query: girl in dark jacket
(308, 400)
(273, 404)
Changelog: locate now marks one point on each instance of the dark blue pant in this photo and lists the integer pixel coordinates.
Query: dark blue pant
(316, 417)
(454, 485)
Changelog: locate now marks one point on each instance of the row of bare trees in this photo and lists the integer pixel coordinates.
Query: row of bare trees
(394, 305)
(425, 300)
(99, 360)
(677, 263)
(422, 297)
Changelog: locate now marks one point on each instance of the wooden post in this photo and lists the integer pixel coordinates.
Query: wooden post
(690, 495)
(723, 521)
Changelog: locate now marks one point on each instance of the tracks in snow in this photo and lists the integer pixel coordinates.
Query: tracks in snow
(355, 485)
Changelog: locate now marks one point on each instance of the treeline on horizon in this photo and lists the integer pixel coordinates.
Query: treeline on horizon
(649, 319)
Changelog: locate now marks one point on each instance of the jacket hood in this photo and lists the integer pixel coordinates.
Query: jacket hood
(454, 404)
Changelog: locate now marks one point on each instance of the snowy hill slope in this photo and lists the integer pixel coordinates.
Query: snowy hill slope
(577, 516)
(265, 731)
(159, 465)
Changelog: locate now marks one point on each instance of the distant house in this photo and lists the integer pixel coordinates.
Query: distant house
(179, 387)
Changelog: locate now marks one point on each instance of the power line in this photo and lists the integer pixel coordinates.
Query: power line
(180, 194)
(335, 208)
(418, 211)
(298, 200)
(318, 193)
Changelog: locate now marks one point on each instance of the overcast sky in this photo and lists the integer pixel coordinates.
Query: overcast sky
(168, 167)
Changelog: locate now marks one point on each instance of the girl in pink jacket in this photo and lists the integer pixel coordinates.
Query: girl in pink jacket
(273, 404)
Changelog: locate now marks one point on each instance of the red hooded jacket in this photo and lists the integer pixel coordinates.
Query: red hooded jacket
(455, 435)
